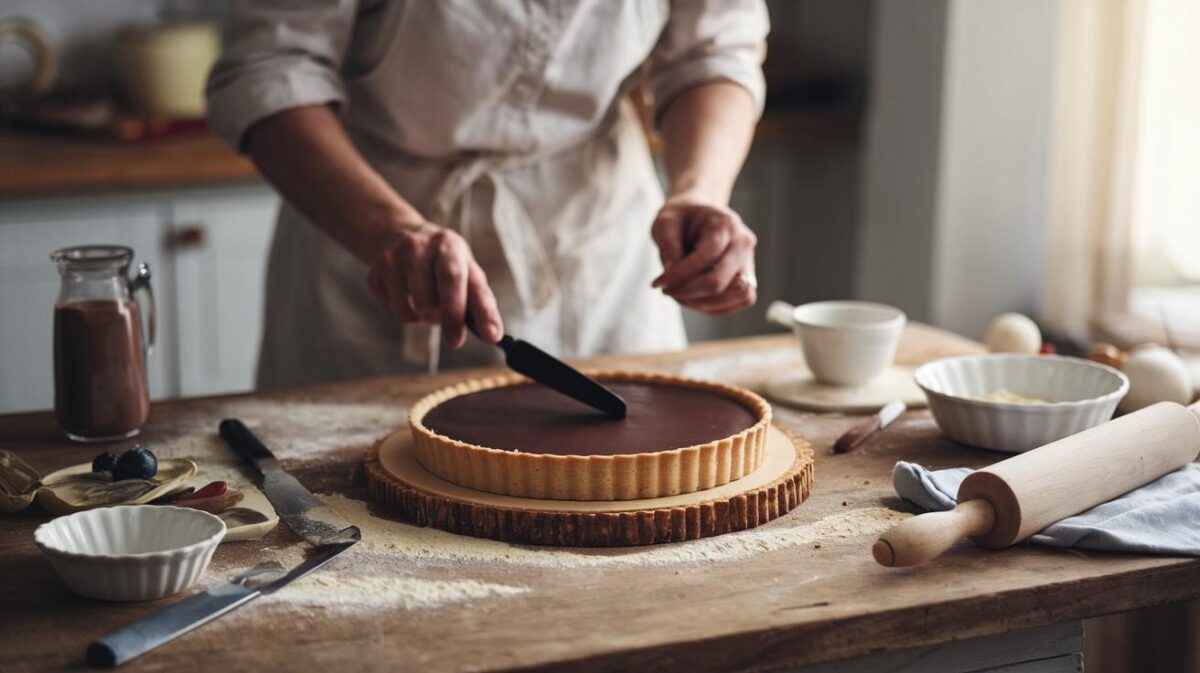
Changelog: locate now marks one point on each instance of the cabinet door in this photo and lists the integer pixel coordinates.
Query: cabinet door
(29, 287)
(219, 244)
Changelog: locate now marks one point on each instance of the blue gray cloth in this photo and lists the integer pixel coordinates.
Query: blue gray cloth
(1162, 517)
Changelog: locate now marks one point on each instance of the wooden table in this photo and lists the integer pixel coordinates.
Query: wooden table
(820, 600)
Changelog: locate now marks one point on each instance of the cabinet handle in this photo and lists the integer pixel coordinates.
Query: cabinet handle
(189, 236)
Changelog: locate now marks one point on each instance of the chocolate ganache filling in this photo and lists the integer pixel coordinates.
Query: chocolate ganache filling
(535, 419)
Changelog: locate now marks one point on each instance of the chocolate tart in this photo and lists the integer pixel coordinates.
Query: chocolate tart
(510, 436)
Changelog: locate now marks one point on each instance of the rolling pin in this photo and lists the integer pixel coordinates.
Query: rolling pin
(1007, 502)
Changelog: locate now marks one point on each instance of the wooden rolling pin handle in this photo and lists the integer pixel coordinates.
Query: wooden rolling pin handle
(925, 536)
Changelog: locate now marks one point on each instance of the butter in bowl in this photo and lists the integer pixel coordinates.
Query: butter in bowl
(1015, 403)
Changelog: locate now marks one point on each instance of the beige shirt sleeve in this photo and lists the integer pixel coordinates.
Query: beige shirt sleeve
(277, 55)
(707, 40)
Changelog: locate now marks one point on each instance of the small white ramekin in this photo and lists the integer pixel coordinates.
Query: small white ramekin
(130, 553)
(1081, 393)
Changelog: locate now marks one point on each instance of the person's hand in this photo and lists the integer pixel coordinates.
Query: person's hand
(426, 273)
(707, 254)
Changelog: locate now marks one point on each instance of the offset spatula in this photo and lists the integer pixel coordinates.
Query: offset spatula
(525, 358)
(199, 609)
(307, 516)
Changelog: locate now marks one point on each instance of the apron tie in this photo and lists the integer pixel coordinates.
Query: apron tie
(532, 271)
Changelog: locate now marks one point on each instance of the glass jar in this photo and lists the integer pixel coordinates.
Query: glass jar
(100, 345)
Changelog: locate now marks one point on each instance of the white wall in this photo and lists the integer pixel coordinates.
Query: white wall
(901, 153)
(956, 158)
(996, 116)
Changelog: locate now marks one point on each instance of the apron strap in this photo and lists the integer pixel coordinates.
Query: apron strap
(530, 266)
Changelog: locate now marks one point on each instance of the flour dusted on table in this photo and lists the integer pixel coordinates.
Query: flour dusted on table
(743, 368)
(379, 594)
(293, 430)
(373, 576)
(430, 545)
(311, 430)
(398, 566)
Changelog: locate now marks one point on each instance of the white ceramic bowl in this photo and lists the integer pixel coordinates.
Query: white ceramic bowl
(131, 553)
(848, 342)
(1081, 393)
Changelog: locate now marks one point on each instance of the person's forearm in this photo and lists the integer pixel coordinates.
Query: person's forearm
(706, 134)
(416, 269)
(306, 154)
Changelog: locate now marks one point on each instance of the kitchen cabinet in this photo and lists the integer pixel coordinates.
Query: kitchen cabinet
(219, 248)
(207, 251)
(29, 286)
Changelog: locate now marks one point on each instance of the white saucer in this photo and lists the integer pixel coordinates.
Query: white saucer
(798, 388)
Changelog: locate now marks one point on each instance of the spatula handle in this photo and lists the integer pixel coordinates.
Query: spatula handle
(924, 537)
(246, 443)
(167, 625)
(505, 340)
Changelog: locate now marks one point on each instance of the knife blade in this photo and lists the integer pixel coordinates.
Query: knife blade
(171, 622)
(307, 516)
(525, 358)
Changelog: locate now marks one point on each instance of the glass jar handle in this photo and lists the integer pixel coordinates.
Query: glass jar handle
(141, 281)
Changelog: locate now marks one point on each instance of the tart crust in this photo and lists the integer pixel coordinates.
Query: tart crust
(593, 477)
(644, 523)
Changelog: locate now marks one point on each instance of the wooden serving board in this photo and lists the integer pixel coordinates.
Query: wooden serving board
(397, 481)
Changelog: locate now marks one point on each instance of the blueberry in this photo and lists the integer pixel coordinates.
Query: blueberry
(104, 462)
(136, 463)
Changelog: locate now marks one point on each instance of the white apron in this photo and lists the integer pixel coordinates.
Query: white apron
(500, 120)
(571, 270)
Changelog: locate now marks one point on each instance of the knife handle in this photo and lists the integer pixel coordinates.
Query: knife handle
(857, 435)
(504, 342)
(166, 625)
(237, 435)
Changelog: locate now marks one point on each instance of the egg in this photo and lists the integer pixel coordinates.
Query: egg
(1013, 333)
(1156, 374)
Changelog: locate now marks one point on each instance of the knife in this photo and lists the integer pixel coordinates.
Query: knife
(174, 621)
(525, 358)
(880, 420)
(307, 516)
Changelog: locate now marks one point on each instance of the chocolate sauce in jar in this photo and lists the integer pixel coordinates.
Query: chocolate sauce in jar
(100, 390)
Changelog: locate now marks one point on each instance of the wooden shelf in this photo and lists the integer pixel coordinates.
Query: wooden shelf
(41, 165)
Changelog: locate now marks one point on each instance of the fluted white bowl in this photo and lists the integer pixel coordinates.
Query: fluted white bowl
(130, 553)
(1081, 394)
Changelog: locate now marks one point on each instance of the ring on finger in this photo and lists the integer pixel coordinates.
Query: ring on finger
(745, 280)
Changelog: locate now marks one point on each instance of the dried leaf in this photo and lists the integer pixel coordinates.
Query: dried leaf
(86, 490)
(16, 476)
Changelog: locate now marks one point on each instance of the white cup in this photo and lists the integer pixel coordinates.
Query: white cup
(845, 343)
